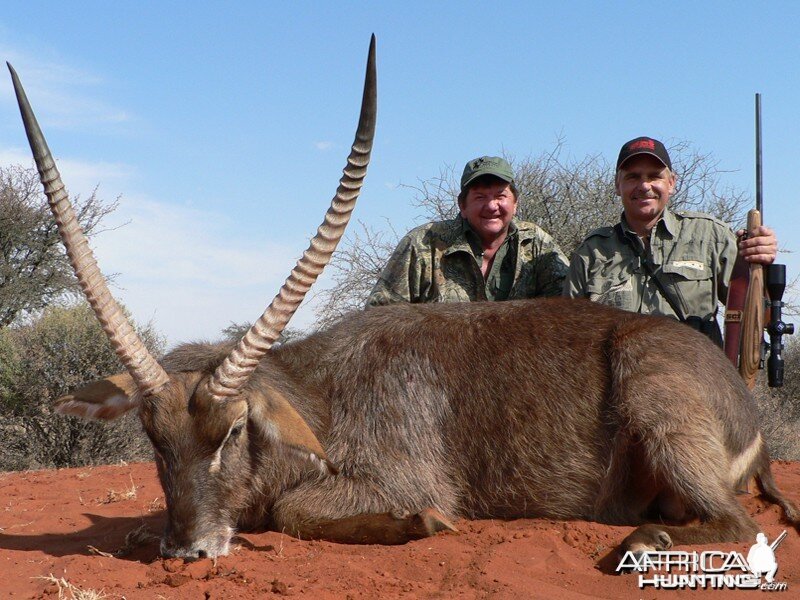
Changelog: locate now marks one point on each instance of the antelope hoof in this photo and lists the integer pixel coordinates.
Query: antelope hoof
(429, 522)
(646, 538)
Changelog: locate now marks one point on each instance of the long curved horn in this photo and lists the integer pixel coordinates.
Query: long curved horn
(146, 372)
(231, 375)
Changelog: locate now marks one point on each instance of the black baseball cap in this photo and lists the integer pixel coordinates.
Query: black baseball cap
(644, 145)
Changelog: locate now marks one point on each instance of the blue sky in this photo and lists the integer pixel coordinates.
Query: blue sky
(224, 127)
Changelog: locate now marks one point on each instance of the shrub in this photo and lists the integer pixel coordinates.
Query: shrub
(779, 408)
(34, 270)
(41, 361)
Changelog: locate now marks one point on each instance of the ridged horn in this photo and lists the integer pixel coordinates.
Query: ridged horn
(146, 372)
(237, 367)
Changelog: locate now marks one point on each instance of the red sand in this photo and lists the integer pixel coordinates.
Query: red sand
(60, 522)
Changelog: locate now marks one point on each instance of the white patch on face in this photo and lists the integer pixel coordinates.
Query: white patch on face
(210, 544)
(216, 462)
(226, 548)
(740, 464)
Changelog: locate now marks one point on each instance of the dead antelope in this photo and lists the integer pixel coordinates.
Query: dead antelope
(397, 420)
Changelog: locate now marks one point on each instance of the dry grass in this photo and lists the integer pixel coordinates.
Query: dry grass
(779, 408)
(68, 591)
(156, 505)
(115, 496)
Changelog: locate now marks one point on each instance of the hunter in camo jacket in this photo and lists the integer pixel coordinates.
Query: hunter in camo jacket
(483, 254)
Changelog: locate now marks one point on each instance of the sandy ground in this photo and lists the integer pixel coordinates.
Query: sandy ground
(94, 529)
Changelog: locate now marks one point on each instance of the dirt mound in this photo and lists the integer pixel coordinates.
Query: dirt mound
(97, 529)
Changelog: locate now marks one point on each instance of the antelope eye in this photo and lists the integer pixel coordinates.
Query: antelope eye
(237, 430)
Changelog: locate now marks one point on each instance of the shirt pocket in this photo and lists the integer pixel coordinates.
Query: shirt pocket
(615, 290)
(688, 269)
(692, 278)
(455, 280)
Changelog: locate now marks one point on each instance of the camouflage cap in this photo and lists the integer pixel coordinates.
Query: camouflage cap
(486, 165)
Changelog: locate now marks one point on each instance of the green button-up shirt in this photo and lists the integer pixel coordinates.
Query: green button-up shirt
(500, 277)
(441, 262)
(694, 253)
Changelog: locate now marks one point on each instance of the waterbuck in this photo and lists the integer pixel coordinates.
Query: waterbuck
(396, 421)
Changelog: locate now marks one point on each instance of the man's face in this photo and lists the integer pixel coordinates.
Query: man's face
(489, 208)
(645, 185)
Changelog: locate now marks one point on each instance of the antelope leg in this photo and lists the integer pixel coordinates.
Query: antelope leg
(377, 528)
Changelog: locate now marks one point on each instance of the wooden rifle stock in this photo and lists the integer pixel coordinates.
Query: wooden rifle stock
(752, 327)
(734, 308)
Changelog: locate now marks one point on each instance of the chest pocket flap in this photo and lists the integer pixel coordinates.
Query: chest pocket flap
(602, 284)
(688, 268)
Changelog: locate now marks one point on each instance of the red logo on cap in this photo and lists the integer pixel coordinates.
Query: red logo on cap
(642, 145)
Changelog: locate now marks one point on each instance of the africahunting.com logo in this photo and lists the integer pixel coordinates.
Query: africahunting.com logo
(675, 569)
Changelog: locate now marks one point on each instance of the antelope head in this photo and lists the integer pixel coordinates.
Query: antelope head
(203, 423)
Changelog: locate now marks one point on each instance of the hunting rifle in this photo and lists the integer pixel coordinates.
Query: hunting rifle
(745, 308)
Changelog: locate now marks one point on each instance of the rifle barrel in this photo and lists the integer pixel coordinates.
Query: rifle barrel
(759, 178)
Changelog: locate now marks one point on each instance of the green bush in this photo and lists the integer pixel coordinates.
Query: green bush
(41, 361)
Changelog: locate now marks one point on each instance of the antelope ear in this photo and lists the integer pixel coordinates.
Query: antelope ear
(280, 422)
(105, 399)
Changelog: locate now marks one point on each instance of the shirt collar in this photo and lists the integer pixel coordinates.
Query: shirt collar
(668, 222)
(475, 240)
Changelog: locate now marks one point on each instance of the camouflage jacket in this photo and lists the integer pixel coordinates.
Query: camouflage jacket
(693, 253)
(437, 263)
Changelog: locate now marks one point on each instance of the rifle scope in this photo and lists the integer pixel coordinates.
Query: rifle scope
(776, 284)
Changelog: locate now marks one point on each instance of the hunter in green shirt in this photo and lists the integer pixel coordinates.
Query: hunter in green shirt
(655, 260)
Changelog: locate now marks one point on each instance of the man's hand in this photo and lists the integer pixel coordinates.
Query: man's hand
(761, 246)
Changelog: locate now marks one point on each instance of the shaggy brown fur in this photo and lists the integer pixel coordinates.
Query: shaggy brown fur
(413, 415)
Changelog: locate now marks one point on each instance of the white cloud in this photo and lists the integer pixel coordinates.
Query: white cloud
(15, 156)
(188, 270)
(58, 93)
(81, 177)
(84, 176)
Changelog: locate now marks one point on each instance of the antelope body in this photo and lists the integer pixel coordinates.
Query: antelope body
(392, 423)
